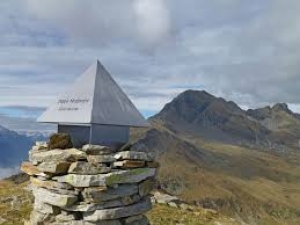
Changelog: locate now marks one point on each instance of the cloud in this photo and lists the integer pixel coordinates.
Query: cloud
(244, 51)
(96, 22)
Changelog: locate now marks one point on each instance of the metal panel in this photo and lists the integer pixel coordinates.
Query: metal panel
(80, 134)
(95, 98)
(109, 134)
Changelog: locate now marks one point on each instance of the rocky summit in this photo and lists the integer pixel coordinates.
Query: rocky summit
(91, 185)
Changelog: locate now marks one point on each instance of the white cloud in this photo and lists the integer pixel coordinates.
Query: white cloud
(244, 51)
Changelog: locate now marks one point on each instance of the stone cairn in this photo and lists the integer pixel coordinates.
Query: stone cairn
(92, 185)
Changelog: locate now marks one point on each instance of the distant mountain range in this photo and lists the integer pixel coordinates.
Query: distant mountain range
(13, 147)
(215, 154)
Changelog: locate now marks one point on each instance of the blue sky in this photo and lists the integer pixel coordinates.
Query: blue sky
(245, 51)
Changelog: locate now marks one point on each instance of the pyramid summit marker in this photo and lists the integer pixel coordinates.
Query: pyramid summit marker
(94, 110)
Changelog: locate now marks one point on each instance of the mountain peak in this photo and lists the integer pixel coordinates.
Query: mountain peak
(281, 106)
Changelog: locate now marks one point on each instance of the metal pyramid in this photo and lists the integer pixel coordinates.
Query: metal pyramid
(94, 98)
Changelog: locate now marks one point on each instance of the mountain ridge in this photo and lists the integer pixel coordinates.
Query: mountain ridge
(214, 154)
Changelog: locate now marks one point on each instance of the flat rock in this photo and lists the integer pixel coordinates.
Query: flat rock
(121, 212)
(109, 179)
(72, 155)
(52, 198)
(89, 207)
(82, 181)
(99, 195)
(146, 187)
(97, 159)
(54, 167)
(30, 169)
(49, 184)
(81, 167)
(134, 156)
(129, 164)
(130, 176)
(98, 149)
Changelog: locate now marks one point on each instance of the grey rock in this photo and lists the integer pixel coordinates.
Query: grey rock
(89, 207)
(96, 159)
(97, 149)
(52, 198)
(72, 154)
(49, 184)
(134, 155)
(99, 195)
(77, 180)
(109, 179)
(121, 212)
(85, 168)
(45, 208)
(131, 176)
(164, 198)
(54, 167)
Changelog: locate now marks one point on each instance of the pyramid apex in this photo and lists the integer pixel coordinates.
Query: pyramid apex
(94, 98)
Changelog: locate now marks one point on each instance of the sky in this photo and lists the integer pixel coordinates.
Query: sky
(244, 51)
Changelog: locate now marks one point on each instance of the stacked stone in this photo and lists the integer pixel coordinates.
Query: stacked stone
(92, 185)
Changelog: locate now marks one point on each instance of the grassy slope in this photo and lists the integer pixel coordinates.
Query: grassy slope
(160, 215)
(259, 187)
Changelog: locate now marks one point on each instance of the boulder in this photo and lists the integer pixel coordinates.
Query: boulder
(121, 212)
(60, 141)
(81, 167)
